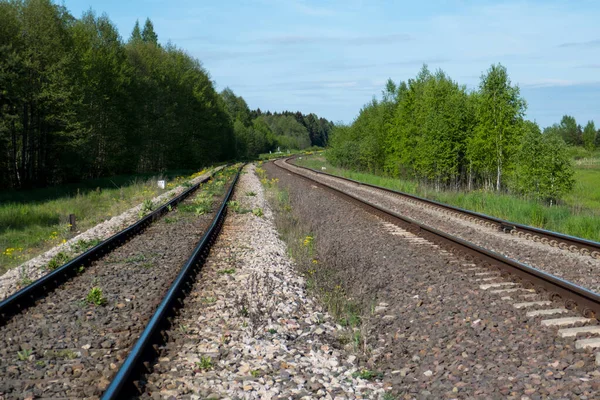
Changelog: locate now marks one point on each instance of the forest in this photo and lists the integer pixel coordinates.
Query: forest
(79, 102)
(435, 131)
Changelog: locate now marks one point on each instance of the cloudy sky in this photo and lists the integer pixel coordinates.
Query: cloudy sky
(332, 56)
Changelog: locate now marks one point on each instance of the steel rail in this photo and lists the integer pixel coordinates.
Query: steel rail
(124, 383)
(573, 296)
(27, 296)
(565, 242)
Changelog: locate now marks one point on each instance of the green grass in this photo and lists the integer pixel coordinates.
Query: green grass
(33, 221)
(578, 216)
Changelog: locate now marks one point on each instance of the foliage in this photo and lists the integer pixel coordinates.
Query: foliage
(256, 132)
(76, 102)
(589, 136)
(205, 363)
(96, 297)
(543, 169)
(432, 130)
(57, 261)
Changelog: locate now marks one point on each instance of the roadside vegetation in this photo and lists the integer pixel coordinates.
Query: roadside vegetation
(577, 215)
(434, 131)
(32, 222)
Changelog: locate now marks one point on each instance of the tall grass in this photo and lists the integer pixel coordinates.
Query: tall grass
(33, 221)
(578, 216)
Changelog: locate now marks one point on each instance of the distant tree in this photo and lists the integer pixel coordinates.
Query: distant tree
(148, 34)
(136, 34)
(570, 132)
(589, 136)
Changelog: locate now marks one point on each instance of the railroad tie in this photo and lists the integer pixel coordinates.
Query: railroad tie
(537, 313)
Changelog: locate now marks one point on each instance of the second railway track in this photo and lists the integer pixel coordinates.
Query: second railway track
(494, 271)
(71, 343)
(554, 239)
(581, 269)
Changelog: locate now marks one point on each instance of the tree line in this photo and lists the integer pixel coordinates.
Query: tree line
(433, 130)
(77, 102)
(256, 132)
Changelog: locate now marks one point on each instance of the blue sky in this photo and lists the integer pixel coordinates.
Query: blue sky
(331, 57)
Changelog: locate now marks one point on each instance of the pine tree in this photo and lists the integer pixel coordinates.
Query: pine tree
(136, 34)
(148, 34)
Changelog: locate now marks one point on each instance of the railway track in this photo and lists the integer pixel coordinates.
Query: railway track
(554, 239)
(494, 272)
(59, 338)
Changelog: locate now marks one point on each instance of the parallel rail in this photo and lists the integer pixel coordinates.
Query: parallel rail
(573, 296)
(27, 296)
(125, 383)
(556, 239)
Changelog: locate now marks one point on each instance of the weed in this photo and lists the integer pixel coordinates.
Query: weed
(258, 302)
(250, 194)
(389, 396)
(147, 206)
(82, 245)
(255, 373)
(169, 208)
(229, 271)
(25, 279)
(63, 354)
(134, 259)
(169, 220)
(183, 328)
(24, 354)
(258, 212)
(95, 296)
(272, 331)
(367, 374)
(236, 207)
(147, 265)
(40, 363)
(57, 261)
(209, 300)
(205, 363)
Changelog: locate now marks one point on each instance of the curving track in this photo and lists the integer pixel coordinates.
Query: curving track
(492, 271)
(554, 239)
(60, 346)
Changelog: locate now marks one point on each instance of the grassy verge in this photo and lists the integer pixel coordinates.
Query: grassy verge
(322, 281)
(287, 153)
(32, 222)
(579, 216)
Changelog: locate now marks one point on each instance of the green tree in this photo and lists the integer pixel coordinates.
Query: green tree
(136, 34)
(570, 131)
(498, 132)
(589, 136)
(148, 33)
(543, 167)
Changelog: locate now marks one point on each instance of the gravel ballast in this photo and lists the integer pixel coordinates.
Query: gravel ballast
(436, 333)
(66, 347)
(248, 328)
(580, 269)
(12, 280)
